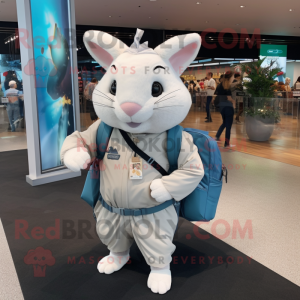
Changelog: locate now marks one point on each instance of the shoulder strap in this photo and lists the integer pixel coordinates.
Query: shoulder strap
(103, 135)
(174, 140)
(143, 155)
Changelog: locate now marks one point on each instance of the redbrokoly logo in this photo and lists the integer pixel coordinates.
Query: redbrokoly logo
(39, 258)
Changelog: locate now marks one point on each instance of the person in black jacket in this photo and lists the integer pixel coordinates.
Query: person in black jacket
(226, 105)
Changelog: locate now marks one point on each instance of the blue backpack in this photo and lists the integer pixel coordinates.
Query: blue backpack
(202, 203)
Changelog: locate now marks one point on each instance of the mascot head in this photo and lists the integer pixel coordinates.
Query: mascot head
(141, 91)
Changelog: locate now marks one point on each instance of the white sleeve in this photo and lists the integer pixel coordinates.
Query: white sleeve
(189, 173)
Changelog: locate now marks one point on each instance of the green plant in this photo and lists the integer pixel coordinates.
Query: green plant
(261, 79)
(261, 86)
(263, 113)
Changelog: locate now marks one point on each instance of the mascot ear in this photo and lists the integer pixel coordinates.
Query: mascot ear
(180, 50)
(103, 47)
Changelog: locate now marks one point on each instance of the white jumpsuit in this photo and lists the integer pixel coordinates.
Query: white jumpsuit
(153, 233)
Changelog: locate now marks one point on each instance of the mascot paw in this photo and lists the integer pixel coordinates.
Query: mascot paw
(159, 281)
(112, 263)
(159, 192)
(76, 160)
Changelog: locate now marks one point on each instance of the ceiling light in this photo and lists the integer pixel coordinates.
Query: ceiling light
(213, 64)
(237, 24)
(291, 10)
(228, 62)
(198, 2)
(192, 66)
(205, 60)
(224, 58)
(242, 6)
(110, 16)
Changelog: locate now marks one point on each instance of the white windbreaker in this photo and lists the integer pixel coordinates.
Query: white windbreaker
(117, 189)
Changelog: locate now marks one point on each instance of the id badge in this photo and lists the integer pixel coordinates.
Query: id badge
(136, 168)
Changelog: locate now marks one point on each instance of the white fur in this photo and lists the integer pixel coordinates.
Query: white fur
(159, 192)
(135, 76)
(76, 159)
(113, 262)
(160, 280)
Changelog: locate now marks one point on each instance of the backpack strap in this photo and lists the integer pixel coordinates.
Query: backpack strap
(103, 135)
(174, 140)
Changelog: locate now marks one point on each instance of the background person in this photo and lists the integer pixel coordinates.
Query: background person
(193, 90)
(13, 107)
(1, 93)
(21, 106)
(210, 86)
(88, 93)
(227, 105)
(287, 84)
(205, 82)
(297, 84)
(237, 86)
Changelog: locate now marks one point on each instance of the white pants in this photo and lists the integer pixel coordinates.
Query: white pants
(153, 233)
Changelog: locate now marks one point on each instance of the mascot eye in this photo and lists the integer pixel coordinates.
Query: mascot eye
(113, 88)
(157, 89)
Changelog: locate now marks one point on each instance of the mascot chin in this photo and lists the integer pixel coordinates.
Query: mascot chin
(141, 97)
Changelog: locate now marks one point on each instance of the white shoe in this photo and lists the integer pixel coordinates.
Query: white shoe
(112, 263)
(159, 280)
(229, 146)
(238, 122)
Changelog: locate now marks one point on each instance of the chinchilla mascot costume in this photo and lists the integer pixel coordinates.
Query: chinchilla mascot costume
(141, 97)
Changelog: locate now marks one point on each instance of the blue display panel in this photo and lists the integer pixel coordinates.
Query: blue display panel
(53, 71)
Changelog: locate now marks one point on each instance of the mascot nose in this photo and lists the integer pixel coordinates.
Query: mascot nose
(130, 108)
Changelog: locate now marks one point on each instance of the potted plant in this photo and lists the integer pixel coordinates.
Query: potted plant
(261, 114)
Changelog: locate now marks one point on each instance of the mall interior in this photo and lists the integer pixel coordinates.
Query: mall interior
(250, 249)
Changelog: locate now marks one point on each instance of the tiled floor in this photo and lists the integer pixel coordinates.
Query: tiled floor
(263, 192)
(10, 140)
(9, 283)
(263, 197)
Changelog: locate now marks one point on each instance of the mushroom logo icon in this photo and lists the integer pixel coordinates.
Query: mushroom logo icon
(40, 258)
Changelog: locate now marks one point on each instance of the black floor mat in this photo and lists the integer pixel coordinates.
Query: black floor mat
(201, 268)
